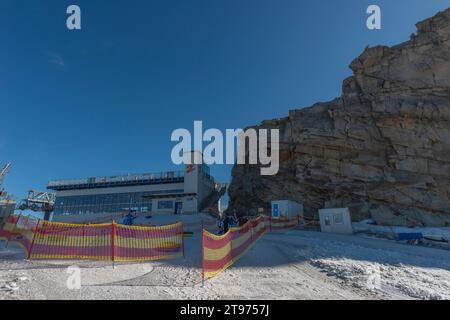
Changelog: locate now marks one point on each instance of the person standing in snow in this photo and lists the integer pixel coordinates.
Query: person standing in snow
(226, 224)
(220, 226)
(128, 220)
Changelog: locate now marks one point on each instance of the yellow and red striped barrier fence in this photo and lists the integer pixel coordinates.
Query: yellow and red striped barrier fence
(109, 241)
(282, 223)
(220, 252)
(137, 243)
(20, 229)
(8, 227)
(54, 240)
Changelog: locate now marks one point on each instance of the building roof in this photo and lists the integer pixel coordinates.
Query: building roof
(118, 181)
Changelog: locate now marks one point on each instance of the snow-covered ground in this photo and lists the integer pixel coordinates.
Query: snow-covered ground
(288, 265)
(386, 268)
(369, 226)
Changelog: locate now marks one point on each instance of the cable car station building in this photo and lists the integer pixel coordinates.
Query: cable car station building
(168, 192)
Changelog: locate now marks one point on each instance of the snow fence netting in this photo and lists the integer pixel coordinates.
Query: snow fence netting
(109, 241)
(135, 243)
(220, 252)
(20, 229)
(282, 223)
(8, 227)
(55, 240)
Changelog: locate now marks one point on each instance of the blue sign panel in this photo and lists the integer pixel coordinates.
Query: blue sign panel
(275, 213)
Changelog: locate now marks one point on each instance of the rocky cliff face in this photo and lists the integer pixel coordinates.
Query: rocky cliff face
(382, 149)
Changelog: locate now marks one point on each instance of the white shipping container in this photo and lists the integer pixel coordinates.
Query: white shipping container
(335, 220)
(286, 209)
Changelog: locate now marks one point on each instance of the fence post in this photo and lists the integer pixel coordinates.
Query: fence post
(113, 245)
(230, 231)
(251, 230)
(203, 257)
(182, 238)
(34, 238)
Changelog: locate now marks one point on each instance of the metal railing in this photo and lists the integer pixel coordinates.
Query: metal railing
(114, 179)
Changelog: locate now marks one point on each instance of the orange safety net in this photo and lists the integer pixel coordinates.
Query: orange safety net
(55, 240)
(109, 241)
(8, 227)
(20, 229)
(282, 223)
(135, 243)
(220, 252)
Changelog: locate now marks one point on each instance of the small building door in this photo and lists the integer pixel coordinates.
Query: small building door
(327, 222)
(178, 207)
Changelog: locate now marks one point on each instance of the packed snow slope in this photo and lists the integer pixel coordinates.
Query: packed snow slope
(289, 265)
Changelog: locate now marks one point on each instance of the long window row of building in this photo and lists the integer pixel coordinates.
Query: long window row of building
(121, 202)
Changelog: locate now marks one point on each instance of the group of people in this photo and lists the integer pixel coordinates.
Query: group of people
(128, 219)
(228, 221)
(225, 222)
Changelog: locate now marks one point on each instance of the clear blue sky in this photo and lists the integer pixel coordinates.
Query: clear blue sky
(104, 100)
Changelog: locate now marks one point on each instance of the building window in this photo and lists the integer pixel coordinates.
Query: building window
(338, 218)
(165, 204)
(106, 203)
